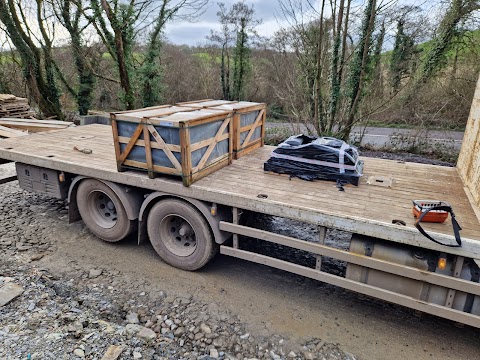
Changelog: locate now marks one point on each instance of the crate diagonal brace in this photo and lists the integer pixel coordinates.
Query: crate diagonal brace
(257, 123)
(164, 147)
(214, 142)
(131, 143)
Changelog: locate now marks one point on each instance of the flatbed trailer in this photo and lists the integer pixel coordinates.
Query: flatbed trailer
(388, 258)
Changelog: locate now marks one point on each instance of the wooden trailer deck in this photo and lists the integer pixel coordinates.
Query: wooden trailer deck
(366, 209)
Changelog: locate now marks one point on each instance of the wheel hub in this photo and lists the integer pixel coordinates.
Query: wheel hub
(102, 209)
(178, 235)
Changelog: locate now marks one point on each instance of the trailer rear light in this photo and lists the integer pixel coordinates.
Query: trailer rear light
(213, 210)
(61, 177)
(442, 262)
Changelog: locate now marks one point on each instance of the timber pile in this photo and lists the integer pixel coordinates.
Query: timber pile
(10, 127)
(15, 107)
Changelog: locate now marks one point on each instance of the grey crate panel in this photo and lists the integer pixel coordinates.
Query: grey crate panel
(248, 118)
(169, 135)
(257, 134)
(220, 149)
(205, 131)
(158, 156)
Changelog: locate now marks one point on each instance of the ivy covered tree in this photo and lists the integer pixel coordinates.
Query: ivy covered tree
(70, 16)
(120, 25)
(458, 10)
(402, 53)
(238, 29)
(35, 50)
(359, 65)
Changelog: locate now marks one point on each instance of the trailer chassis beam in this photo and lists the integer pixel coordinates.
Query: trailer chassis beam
(386, 295)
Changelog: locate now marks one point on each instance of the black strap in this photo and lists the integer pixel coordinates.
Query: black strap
(455, 224)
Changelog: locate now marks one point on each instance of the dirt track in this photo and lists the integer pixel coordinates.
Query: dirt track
(266, 300)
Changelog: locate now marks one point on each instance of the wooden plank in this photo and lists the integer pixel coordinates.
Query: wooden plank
(390, 296)
(148, 151)
(186, 155)
(469, 159)
(357, 259)
(116, 142)
(153, 145)
(156, 168)
(9, 132)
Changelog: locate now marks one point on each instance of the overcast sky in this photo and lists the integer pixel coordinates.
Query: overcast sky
(195, 33)
(268, 11)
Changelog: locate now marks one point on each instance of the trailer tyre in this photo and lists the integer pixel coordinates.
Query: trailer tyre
(102, 211)
(180, 235)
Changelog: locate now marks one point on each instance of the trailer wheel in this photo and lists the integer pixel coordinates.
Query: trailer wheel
(102, 211)
(180, 235)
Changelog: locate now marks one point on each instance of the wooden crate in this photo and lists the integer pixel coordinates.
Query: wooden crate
(248, 122)
(469, 159)
(173, 140)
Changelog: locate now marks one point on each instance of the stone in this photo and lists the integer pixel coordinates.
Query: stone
(94, 273)
(205, 329)
(214, 353)
(146, 334)
(8, 292)
(132, 329)
(37, 257)
(132, 318)
(79, 353)
(179, 332)
(292, 355)
(308, 355)
(113, 352)
(245, 336)
(137, 355)
(198, 336)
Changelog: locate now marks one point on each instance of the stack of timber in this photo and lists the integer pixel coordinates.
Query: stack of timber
(10, 127)
(173, 140)
(248, 122)
(15, 107)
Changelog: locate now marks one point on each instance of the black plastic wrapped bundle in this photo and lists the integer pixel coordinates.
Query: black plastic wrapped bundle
(311, 158)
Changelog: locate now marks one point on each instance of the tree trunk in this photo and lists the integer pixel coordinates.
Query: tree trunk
(359, 66)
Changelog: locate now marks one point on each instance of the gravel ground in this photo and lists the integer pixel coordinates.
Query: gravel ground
(76, 313)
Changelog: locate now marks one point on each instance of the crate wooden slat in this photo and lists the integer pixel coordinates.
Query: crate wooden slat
(469, 159)
(173, 140)
(248, 122)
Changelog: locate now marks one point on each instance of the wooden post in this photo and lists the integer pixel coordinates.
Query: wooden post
(148, 152)
(186, 154)
(116, 142)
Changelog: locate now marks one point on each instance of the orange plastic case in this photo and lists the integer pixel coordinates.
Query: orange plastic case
(435, 216)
